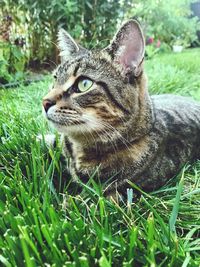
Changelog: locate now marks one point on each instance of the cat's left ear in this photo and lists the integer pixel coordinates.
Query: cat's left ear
(128, 47)
(67, 45)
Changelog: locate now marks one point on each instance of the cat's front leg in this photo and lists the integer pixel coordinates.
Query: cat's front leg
(49, 139)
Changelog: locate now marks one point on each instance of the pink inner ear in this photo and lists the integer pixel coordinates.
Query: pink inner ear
(130, 52)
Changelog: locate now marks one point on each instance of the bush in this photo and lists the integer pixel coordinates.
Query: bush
(37, 23)
(12, 58)
(87, 21)
(29, 31)
(169, 21)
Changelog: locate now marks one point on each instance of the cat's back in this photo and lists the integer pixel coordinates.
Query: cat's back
(169, 101)
(177, 113)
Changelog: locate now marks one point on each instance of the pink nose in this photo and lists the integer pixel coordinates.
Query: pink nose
(47, 103)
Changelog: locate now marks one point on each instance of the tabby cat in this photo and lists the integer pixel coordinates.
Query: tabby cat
(100, 103)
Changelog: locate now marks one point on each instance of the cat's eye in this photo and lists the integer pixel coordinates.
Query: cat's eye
(84, 85)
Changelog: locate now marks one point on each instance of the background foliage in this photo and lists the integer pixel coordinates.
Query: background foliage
(28, 28)
(169, 21)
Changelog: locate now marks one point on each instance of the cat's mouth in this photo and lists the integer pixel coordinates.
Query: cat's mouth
(65, 122)
(72, 120)
(65, 119)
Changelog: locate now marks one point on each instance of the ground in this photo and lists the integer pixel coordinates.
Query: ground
(42, 225)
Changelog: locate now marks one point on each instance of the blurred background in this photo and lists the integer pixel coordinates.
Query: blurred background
(28, 29)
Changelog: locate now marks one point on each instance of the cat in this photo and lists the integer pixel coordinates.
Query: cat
(110, 124)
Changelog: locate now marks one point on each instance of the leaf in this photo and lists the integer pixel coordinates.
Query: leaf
(4, 261)
(103, 262)
(174, 214)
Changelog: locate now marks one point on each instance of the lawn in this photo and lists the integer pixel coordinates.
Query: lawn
(43, 225)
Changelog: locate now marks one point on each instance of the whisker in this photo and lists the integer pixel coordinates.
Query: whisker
(123, 140)
(99, 124)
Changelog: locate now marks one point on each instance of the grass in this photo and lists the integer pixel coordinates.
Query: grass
(41, 225)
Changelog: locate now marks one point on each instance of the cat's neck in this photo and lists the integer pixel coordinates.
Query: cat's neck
(97, 145)
(89, 152)
(142, 119)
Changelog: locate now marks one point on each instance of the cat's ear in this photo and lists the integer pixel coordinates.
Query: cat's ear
(66, 44)
(128, 47)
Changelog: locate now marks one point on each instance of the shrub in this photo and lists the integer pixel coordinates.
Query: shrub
(30, 32)
(167, 21)
(12, 58)
(86, 20)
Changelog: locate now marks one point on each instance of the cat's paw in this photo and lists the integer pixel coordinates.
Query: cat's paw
(49, 139)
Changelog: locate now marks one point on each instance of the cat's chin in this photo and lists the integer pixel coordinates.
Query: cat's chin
(73, 128)
(84, 124)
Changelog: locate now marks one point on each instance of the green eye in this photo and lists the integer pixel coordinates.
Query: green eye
(85, 85)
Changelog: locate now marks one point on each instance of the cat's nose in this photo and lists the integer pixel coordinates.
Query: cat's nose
(47, 103)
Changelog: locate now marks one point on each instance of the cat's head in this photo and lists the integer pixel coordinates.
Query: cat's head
(98, 90)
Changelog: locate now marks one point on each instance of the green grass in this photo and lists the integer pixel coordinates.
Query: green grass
(41, 225)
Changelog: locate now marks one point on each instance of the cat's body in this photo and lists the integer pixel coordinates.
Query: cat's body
(149, 161)
(109, 123)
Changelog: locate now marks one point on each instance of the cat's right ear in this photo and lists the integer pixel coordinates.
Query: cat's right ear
(128, 47)
(66, 45)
